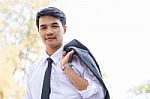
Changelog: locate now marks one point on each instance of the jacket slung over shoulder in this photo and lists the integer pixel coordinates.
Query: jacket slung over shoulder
(88, 59)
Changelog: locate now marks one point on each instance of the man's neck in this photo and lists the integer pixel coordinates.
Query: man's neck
(50, 51)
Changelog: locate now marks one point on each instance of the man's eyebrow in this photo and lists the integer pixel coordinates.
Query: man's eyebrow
(42, 25)
(55, 23)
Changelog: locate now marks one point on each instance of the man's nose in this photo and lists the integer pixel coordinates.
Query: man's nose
(49, 31)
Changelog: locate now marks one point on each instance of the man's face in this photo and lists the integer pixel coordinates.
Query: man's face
(51, 31)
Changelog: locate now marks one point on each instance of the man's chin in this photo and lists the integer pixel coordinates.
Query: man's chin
(54, 46)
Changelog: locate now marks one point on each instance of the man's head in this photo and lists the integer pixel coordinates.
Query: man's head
(51, 23)
(51, 11)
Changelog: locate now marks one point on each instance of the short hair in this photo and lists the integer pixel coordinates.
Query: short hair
(51, 11)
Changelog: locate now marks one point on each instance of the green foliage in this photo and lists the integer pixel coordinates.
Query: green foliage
(144, 88)
(19, 44)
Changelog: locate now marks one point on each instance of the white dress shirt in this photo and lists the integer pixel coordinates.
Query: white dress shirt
(61, 86)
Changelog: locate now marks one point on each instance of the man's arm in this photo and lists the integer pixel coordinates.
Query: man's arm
(79, 82)
(85, 82)
(28, 91)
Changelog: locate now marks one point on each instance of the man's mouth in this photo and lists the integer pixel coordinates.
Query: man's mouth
(50, 38)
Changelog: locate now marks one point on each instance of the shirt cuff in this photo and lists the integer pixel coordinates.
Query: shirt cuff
(91, 89)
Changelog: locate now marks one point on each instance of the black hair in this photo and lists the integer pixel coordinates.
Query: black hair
(51, 11)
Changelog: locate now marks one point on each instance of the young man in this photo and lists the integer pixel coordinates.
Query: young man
(70, 78)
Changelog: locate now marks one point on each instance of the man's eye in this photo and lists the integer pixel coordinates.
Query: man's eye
(55, 26)
(43, 28)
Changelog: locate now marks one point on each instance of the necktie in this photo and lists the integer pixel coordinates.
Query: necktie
(46, 90)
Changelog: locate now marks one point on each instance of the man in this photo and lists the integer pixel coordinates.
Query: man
(70, 78)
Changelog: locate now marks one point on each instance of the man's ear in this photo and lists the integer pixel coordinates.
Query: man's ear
(65, 29)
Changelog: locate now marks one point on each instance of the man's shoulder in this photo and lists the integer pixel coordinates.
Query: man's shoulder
(34, 66)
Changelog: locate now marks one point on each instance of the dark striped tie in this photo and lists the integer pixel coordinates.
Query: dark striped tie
(46, 90)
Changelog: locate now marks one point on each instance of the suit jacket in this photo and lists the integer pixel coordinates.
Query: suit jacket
(88, 59)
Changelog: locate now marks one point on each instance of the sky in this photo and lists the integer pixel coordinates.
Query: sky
(118, 34)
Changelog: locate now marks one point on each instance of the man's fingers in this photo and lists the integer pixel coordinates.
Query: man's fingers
(70, 53)
(64, 54)
(67, 57)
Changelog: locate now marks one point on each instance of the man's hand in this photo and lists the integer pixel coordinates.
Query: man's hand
(79, 82)
(66, 57)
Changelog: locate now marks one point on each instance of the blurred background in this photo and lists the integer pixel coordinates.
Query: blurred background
(116, 31)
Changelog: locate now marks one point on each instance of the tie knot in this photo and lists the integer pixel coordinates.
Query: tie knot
(49, 60)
